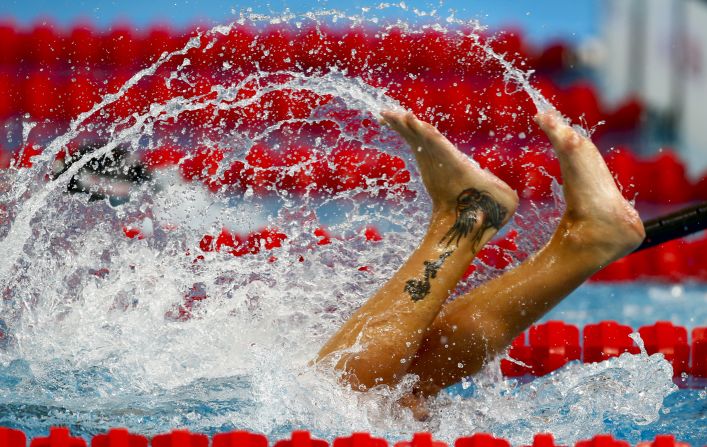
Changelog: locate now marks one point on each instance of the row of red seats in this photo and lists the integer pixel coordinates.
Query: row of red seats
(471, 109)
(661, 179)
(676, 261)
(277, 47)
(119, 437)
(551, 345)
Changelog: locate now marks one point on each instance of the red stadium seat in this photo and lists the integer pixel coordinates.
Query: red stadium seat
(543, 440)
(158, 40)
(163, 156)
(352, 51)
(581, 105)
(181, 438)
(359, 440)
(605, 340)
(669, 261)
(58, 437)
(246, 439)
(261, 170)
(626, 117)
(79, 94)
(669, 340)
(700, 189)
(663, 441)
(10, 50)
(534, 170)
(602, 441)
(415, 95)
(8, 95)
(421, 440)
(553, 345)
(625, 168)
(665, 180)
(40, 96)
(696, 259)
(118, 437)
(299, 438)
(512, 111)
(313, 49)
(433, 52)
(392, 49)
(461, 101)
(237, 48)
(120, 48)
(554, 57)
(12, 438)
(521, 352)
(481, 440)
(304, 170)
(43, 46)
(618, 271)
(275, 50)
(509, 43)
(699, 352)
(83, 47)
(202, 164)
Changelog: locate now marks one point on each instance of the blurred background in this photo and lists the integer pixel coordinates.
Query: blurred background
(636, 69)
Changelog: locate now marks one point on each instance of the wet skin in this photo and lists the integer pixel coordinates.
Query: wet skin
(406, 327)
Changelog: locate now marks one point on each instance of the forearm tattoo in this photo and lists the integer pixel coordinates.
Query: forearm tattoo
(472, 205)
(419, 288)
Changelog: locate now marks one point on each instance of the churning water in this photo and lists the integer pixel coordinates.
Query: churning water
(103, 330)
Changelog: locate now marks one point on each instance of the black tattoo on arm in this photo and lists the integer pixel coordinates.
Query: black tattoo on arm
(419, 288)
(474, 205)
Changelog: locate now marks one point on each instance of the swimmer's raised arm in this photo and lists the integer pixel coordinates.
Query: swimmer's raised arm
(469, 205)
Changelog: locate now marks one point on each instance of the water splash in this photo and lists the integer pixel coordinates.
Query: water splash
(156, 332)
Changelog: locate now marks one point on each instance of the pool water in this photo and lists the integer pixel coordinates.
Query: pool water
(95, 334)
(576, 402)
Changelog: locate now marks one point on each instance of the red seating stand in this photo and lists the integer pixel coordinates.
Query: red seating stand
(553, 344)
(699, 352)
(300, 438)
(118, 437)
(481, 440)
(242, 438)
(421, 440)
(58, 437)
(360, 440)
(669, 340)
(12, 438)
(602, 441)
(181, 438)
(607, 339)
(543, 440)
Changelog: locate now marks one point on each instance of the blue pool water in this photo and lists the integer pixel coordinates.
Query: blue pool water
(90, 400)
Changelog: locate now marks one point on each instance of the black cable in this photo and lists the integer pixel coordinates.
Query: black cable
(674, 226)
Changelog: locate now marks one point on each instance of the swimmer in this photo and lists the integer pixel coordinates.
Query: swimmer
(408, 327)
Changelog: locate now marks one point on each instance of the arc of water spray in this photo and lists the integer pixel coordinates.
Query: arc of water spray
(19, 232)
